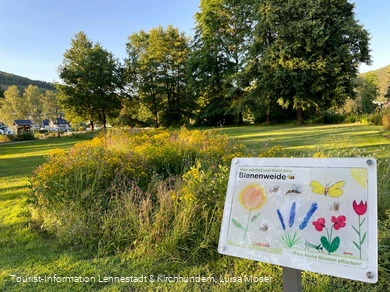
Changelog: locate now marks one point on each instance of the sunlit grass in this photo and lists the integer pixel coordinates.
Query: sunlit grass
(25, 251)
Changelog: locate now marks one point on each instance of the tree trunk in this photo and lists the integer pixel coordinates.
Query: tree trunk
(240, 119)
(268, 116)
(156, 125)
(104, 121)
(300, 120)
(91, 125)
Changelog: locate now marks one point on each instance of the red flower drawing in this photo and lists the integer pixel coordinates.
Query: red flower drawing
(319, 224)
(361, 208)
(339, 222)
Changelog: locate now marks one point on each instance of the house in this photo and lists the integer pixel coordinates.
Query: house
(45, 124)
(55, 125)
(22, 126)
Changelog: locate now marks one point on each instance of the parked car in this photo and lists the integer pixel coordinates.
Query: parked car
(6, 131)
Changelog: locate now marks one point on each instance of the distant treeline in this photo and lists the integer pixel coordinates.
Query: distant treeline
(7, 79)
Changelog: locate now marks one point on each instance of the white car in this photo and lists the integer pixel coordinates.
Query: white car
(6, 131)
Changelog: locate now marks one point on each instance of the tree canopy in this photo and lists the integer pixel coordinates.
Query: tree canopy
(308, 52)
(92, 80)
(248, 58)
(156, 72)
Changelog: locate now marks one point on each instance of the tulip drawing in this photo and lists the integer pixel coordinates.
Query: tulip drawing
(360, 209)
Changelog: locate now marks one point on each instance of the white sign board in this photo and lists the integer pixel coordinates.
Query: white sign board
(310, 214)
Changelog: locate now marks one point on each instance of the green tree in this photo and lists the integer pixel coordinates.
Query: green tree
(50, 106)
(369, 91)
(156, 72)
(14, 107)
(219, 57)
(308, 52)
(33, 100)
(387, 95)
(1, 97)
(92, 80)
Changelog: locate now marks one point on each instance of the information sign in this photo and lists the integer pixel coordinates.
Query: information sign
(310, 214)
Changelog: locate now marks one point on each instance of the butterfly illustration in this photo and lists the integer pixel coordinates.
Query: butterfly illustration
(333, 191)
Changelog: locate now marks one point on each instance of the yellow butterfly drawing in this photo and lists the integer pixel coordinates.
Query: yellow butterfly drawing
(333, 191)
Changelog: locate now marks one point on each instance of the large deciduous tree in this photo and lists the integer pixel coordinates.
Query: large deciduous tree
(92, 79)
(368, 92)
(33, 103)
(308, 52)
(14, 107)
(220, 47)
(156, 72)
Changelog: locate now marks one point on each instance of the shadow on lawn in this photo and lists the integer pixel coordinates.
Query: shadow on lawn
(34, 248)
(22, 167)
(12, 193)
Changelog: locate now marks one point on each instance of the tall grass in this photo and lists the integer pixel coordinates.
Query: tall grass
(125, 190)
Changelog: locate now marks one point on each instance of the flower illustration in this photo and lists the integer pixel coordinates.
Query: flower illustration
(339, 222)
(292, 215)
(361, 208)
(309, 214)
(252, 197)
(331, 245)
(319, 224)
(281, 219)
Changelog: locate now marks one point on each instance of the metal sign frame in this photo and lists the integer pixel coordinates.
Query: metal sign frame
(311, 214)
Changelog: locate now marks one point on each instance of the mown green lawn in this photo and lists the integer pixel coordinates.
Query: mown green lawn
(335, 139)
(25, 251)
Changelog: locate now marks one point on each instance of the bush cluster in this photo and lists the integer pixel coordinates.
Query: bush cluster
(135, 189)
(329, 117)
(386, 119)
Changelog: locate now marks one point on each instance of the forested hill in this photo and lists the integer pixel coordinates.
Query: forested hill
(7, 79)
(383, 79)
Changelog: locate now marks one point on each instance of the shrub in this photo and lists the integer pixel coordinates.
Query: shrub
(386, 119)
(375, 118)
(136, 186)
(333, 118)
(5, 138)
(23, 136)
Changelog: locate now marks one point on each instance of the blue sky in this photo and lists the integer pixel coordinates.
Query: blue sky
(34, 34)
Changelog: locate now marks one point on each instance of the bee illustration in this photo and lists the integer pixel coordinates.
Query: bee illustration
(263, 227)
(295, 190)
(333, 191)
(274, 189)
(335, 207)
(291, 176)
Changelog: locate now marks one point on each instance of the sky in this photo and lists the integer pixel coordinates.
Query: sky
(34, 34)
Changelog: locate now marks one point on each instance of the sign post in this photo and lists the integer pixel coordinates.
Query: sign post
(292, 280)
(311, 214)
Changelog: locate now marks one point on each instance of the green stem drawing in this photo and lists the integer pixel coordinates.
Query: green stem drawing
(360, 239)
(246, 228)
(327, 232)
(249, 221)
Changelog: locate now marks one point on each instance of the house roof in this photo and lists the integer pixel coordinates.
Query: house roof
(23, 123)
(45, 122)
(60, 121)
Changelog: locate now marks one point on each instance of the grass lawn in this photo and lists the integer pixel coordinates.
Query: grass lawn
(338, 139)
(26, 252)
